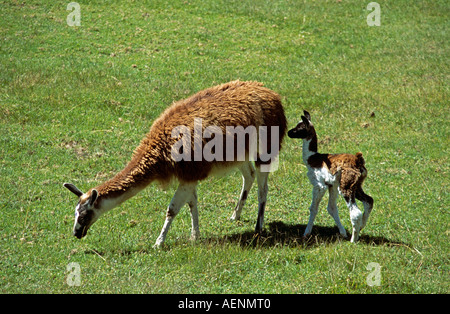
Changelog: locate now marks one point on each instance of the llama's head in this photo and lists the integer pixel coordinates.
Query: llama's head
(85, 212)
(304, 128)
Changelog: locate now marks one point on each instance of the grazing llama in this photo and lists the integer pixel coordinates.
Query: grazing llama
(232, 107)
(337, 173)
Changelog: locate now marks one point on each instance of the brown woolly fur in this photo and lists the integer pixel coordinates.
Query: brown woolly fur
(335, 161)
(231, 104)
(352, 167)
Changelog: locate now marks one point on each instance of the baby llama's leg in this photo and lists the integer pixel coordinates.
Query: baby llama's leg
(333, 209)
(317, 195)
(355, 214)
(367, 203)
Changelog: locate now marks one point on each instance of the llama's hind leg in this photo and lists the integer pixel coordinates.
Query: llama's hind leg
(367, 203)
(248, 177)
(355, 214)
(195, 232)
(263, 188)
(333, 210)
(317, 195)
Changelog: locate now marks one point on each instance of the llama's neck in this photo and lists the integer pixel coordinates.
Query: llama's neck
(309, 147)
(119, 189)
(139, 173)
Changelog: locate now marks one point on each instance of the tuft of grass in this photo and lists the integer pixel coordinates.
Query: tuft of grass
(76, 101)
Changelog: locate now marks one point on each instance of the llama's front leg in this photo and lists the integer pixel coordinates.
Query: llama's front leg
(333, 210)
(181, 196)
(262, 197)
(317, 195)
(248, 176)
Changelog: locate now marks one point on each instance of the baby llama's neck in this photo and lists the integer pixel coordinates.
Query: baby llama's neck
(309, 147)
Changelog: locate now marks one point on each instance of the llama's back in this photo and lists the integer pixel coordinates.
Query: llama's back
(244, 104)
(230, 104)
(352, 169)
(345, 161)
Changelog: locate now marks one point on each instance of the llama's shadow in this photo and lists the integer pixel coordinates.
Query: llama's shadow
(277, 233)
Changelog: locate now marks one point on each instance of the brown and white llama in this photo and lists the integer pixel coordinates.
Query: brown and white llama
(184, 130)
(337, 173)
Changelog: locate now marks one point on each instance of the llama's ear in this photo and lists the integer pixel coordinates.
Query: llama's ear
(72, 188)
(93, 198)
(306, 121)
(307, 115)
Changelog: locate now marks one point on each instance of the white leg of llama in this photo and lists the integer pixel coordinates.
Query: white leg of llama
(261, 178)
(333, 210)
(186, 192)
(248, 177)
(317, 196)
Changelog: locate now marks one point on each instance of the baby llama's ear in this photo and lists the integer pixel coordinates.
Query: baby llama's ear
(307, 115)
(72, 188)
(306, 121)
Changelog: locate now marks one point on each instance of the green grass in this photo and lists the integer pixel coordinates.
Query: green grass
(75, 102)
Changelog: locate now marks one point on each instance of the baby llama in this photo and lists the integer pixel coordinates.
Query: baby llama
(337, 173)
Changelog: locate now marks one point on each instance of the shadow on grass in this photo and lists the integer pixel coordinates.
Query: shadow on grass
(277, 233)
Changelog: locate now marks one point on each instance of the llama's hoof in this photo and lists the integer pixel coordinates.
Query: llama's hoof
(234, 217)
(158, 244)
(195, 237)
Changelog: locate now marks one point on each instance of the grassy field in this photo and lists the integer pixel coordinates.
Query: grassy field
(75, 101)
